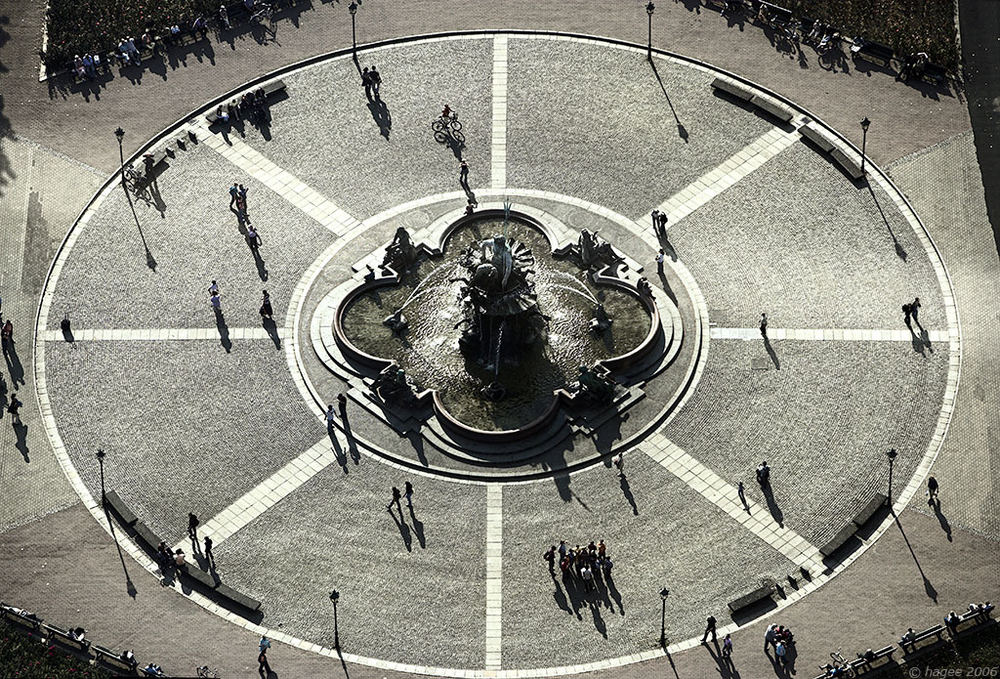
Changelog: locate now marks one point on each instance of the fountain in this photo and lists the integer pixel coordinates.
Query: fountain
(499, 328)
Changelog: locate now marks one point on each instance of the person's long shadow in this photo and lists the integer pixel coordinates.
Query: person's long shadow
(261, 266)
(772, 353)
(271, 328)
(418, 529)
(220, 324)
(665, 284)
(560, 596)
(932, 593)
(772, 506)
(627, 492)
(381, 116)
(599, 624)
(404, 530)
(613, 590)
(417, 441)
(668, 247)
(21, 440)
(900, 251)
(681, 130)
(338, 451)
(942, 519)
(352, 445)
(14, 366)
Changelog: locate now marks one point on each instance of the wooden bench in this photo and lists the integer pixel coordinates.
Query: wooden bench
(874, 52)
(851, 166)
(147, 538)
(916, 645)
(968, 622)
(772, 107)
(813, 134)
(119, 509)
(883, 656)
(730, 87)
(238, 598)
(754, 597)
(870, 509)
(112, 659)
(838, 540)
(58, 635)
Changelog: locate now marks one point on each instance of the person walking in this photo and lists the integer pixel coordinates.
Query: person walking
(376, 81)
(366, 80)
(264, 644)
(463, 173)
(213, 289)
(7, 337)
(907, 313)
(550, 556)
(263, 668)
(727, 649)
(12, 408)
(408, 494)
(233, 193)
(655, 218)
(216, 300)
(659, 262)
(763, 474)
(253, 238)
(763, 325)
(396, 496)
(193, 526)
(662, 217)
(266, 311)
(914, 310)
(241, 202)
(741, 491)
(932, 490)
(342, 405)
(709, 627)
(769, 637)
(620, 464)
(330, 416)
(208, 550)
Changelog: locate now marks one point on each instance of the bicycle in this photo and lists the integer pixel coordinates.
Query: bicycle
(206, 671)
(265, 12)
(445, 127)
(132, 178)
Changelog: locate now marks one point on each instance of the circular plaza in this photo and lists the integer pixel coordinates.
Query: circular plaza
(223, 414)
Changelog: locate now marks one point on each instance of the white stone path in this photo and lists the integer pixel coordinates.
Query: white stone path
(162, 334)
(494, 569)
(727, 174)
(498, 140)
(713, 488)
(827, 334)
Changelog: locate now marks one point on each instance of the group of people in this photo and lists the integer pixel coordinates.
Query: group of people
(372, 80)
(578, 562)
(779, 638)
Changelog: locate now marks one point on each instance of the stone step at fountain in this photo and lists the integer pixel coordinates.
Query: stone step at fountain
(588, 418)
(663, 355)
(322, 338)
(486, 454)
(400, 419)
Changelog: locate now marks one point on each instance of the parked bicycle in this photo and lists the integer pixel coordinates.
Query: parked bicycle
(206, 671)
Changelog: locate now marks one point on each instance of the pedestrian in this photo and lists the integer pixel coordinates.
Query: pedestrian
(216, 301)
(342, 405)
(727, 648)
(376, 80)
(915, 309)
(780, 651)
(179, 561)
(253, 238)
(602, 549)
(7, 337)
(233, 192)
(550, 556)
(663, 225)
(263, 667)
(620, 464)
(408, 493)
(12, 408)
(396, 495)
(208, 549)
(463, 173)
(588, 577)
(659, 262)
(213, 289)
(741, 491)
(763, 325)
(932, 490)
(907, 312)
(266, 311)
(655, 217)
(607, 566)
(763, 474)
(366, 80)
(264, 644)
(241, 201)
(329, 417)
(562, 549)
(709, 627)
(769, 636)
(193, 526)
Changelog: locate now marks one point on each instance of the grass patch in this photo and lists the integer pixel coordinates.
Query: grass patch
(24, 658)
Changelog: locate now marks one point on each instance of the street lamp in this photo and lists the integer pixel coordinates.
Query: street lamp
(335, 597)
(649, 45)
(100, 461)
(353, 9)
(892, 458)
(864, 138)
(120, 133)
(663, 614)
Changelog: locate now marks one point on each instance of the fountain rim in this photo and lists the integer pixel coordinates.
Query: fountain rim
(453, 221)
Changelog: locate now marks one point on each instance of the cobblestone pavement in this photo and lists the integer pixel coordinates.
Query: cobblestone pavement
(252, 380)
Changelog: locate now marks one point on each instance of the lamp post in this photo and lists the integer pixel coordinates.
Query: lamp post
(892, 458)
(663, 615)
(334, 598)
(353, 9)
(864, 138)
(120, 133)
(100, 461)
(649, 44)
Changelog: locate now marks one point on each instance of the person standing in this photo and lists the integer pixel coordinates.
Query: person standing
(932, 490)
(588, 577)
(408, 493)
(12, 408)
(253, 238)
(208, 550)
(763, 474)
(396, 495)
(727, 649)
(342, 405)
(769, 637)
(233, 193)
(550, 556)
(193, 526)
(266, 311)
(263, 668)
(655, 217)
(763, 325)
(366, 80)
(915, 309)
(463, 173)
(376, 80)
(907, 313)
(213, 289)
(709, 627)
(264, 644)
(662, 218)
(216, 301)
(659, 262)
(780, 651)
(620, 464)
(562, 549)
(7, 337)
(741, 491)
